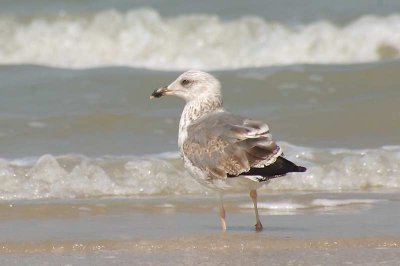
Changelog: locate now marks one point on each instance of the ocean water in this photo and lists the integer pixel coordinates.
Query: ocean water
(75, 78)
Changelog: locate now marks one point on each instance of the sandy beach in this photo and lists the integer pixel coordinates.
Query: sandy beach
(185, 231)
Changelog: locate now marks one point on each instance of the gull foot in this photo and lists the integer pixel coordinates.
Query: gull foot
(259, 227)
(223, 226)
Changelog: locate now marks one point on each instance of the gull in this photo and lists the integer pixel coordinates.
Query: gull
(223, 151)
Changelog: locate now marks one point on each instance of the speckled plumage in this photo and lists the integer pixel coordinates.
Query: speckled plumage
(215, 143)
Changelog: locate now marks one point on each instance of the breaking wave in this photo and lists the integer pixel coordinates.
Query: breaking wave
(142, 38)
(77, 176)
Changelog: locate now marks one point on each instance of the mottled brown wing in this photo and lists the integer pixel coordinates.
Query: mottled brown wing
(223, 144)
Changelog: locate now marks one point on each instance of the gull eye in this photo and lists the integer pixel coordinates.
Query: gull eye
(185, 82)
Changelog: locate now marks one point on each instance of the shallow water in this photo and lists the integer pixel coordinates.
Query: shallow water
(79, 133)
(329, 228)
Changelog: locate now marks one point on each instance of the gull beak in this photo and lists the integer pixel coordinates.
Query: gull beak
(161, 92)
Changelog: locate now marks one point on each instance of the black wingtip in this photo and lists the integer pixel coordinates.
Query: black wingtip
(279, 168)
(301, 169)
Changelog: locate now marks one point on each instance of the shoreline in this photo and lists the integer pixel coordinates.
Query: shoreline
(214, 242)
(358, 228)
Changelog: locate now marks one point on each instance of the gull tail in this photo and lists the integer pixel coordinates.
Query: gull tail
(279, 168)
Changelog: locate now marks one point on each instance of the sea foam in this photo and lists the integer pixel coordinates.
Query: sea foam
(77, 176)
(143, 38)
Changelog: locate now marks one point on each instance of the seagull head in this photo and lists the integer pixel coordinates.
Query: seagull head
(192, 85)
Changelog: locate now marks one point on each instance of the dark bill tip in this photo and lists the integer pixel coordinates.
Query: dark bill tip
(159, 92)
(156, 94)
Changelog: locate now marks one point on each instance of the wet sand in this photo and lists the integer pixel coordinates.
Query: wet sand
(185, 231)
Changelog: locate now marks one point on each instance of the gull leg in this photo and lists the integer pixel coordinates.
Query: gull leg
(253, 196)
(222, 213)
